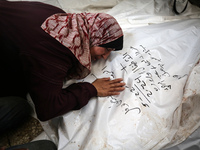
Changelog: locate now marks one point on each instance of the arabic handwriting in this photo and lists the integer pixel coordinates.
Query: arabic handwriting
(148, 75)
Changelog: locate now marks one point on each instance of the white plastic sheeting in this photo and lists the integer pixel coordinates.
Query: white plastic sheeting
(147, 115)
(160, 66)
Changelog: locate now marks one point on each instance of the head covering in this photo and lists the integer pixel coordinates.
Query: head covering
(79, 32)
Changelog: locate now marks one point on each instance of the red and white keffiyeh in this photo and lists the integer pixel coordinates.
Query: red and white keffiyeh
(79, 32)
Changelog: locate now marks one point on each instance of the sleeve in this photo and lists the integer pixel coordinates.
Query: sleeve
(45, 75)
(51, 100)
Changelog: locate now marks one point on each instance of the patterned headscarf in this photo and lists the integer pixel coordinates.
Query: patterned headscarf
(79, 32)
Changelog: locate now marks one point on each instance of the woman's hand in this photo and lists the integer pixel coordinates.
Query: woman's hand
(107, 87)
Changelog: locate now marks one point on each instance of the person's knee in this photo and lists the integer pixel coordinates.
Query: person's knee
(16, 105)
(13, 111)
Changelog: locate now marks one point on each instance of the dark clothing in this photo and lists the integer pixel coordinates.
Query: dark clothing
(11, 77)
(13, 112)
(36, 145)
(42, 62)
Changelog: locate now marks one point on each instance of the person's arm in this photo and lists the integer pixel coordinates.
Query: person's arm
(51, 100)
